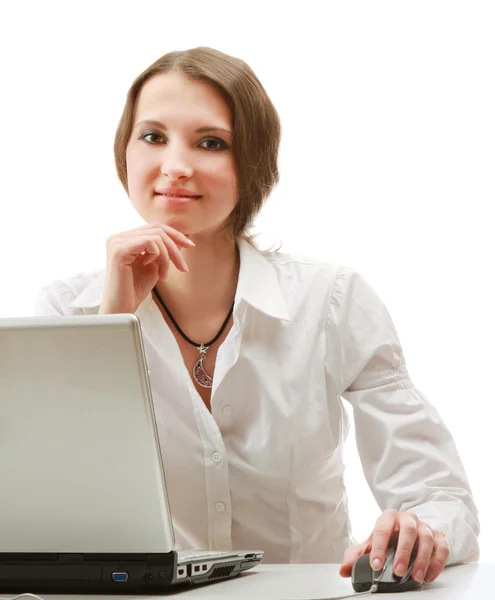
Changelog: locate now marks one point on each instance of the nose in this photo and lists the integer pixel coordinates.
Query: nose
(175, 164)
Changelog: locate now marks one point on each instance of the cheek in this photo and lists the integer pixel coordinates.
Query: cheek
(136, 170)
(222, 174)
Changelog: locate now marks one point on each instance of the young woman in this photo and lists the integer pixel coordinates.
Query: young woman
(251, 352)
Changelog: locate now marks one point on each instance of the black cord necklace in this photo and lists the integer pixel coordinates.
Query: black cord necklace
(199, 374)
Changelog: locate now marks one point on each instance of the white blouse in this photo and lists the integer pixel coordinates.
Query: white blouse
(264, 469)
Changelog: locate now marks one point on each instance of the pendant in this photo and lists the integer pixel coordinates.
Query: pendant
(200, 375)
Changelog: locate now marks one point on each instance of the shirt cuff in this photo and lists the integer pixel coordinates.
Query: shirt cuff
(457, 523)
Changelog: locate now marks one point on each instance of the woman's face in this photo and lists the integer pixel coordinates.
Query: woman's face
(165, 149)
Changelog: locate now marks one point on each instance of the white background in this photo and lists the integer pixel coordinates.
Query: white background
(386, 163)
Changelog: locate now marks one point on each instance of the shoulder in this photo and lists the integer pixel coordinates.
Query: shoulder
(309, 288)
(310, 272)
(63, 296)
(340, 290)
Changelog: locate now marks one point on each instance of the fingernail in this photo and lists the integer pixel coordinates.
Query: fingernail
(377, 564)
(400, 569)
(419, 576)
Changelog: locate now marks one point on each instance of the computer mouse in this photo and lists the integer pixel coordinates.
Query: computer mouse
(363, 576)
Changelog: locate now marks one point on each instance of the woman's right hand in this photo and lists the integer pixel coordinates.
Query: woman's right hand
(136, 260)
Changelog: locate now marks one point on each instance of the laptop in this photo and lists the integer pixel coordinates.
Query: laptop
(84, 506)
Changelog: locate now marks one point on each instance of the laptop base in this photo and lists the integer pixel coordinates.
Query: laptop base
(68, 573)
(113, 573)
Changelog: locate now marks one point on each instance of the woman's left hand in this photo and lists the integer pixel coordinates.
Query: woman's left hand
(431, 545)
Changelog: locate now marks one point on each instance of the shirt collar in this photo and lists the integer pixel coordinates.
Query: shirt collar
(258, 285)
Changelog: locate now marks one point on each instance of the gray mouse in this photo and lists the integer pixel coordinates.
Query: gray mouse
(363, 576)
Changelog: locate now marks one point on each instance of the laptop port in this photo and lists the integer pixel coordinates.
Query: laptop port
(196, 568)
(181, 571)
(204, 567)
(120, 577)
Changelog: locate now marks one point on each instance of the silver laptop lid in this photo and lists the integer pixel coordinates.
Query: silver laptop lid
(80, 464)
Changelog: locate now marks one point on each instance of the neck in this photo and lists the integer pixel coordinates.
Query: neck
(211, 282)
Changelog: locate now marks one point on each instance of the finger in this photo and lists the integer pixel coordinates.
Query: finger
(173, 253)
(177, 236)
(408, 533)
(146, 250)
(164, 258)
(382, 533)
(126, 252)
(151, 252)
(439, 556)
(351, 555)
(161, 254)
(424, 552)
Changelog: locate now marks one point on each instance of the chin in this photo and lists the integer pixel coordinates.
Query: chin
(180, 223)
(176, 221)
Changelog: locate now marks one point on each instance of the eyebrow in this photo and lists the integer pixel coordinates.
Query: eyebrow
(200, 130)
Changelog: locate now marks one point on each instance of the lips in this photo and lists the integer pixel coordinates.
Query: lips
(178, 196)
(177, 192)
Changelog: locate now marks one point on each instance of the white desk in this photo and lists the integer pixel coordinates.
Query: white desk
(302, 582)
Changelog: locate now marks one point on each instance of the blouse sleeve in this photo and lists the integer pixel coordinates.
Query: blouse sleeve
(408, 455)
(54, 299)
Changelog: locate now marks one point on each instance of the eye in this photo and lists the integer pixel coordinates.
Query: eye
(153, 138)
(146, 134)
(222, 144)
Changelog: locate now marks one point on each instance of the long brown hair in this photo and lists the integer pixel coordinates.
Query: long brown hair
(257, 129)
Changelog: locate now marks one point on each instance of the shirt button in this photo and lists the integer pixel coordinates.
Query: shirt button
(216, 456)
(220, 506)
(227, 410)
